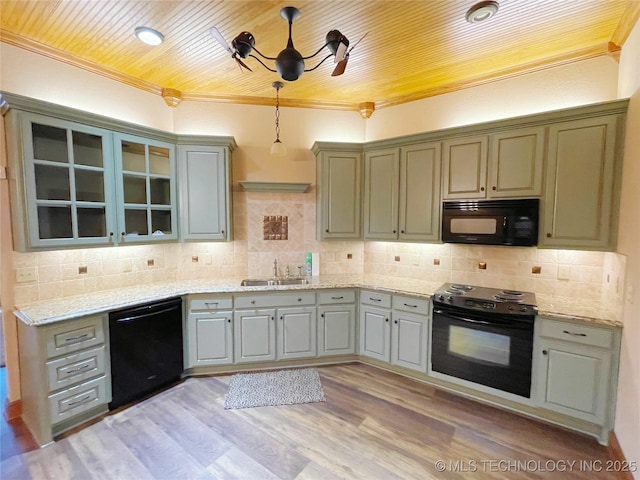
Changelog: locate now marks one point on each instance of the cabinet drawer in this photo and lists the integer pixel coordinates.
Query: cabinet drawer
(74, 336)
(409, 304)
(336, 296)
(275, 300)
(78, 399)
(378, 299)
(82, 366)
(199, 303)
(573, 332)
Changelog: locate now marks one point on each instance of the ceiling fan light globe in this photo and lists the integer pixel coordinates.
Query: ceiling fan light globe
(290, 64)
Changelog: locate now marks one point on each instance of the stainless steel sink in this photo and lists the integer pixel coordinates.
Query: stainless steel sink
(256, 282)
(293, 281)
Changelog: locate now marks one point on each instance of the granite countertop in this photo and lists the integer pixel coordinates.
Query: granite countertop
(51, 311)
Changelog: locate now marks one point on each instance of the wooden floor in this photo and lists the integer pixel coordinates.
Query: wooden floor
(373, 425)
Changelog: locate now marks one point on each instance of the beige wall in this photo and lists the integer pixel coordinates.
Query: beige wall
(628, 409)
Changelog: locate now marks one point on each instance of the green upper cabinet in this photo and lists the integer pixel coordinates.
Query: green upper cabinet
(381, 176)
(501, 165)
(402, 193)
(145, 189)
(515, 163)
(339, 197)
(63, 183)
(464, 168)
(205, 193)
(582, 184)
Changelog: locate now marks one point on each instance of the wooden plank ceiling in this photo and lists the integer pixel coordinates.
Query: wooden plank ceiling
(414, 49)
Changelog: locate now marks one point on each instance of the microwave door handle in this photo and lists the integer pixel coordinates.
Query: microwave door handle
(463, 319)
(504, 223)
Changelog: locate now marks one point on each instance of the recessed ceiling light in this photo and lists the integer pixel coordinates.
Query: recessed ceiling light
(149, 36)
(481, 12)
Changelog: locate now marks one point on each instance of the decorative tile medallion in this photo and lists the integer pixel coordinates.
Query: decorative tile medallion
(276, 227)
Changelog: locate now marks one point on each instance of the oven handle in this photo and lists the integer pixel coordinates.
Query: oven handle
(493, 323)
(464, 319)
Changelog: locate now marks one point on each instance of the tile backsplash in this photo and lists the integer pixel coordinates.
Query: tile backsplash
(56, 274)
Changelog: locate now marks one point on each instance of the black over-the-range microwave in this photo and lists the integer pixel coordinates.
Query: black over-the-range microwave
(491, 222)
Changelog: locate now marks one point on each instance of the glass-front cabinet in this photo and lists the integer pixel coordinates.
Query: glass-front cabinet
(68, 180)
(145, 189)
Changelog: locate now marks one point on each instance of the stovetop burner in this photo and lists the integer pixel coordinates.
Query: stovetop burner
(486, 299)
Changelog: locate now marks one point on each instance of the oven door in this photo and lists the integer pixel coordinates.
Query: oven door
(485, 348)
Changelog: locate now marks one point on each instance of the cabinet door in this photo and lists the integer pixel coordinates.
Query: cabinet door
(68, 183)
(296, 335)
(336, 330)
(210, 339)
(574, 380)
(515, 164)
(254, 335)
(419, 202)
(381, 172)
(146, 190)
(409, 341)
(375, 331)
(205, 203)
(339, 195)
(579, 207)
(465, 168)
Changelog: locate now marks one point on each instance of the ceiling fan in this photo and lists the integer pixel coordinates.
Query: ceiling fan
(289, 63)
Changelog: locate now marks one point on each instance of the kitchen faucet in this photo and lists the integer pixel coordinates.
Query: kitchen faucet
(275, 268)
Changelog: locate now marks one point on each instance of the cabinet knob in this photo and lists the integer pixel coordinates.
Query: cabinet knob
(494, 188)
(253, 302)
(281, 317)
(322, 315)
(548, 235)
(401, 231)
(544, 352)
(395, 321)
(228, 320)
(222, 231)
(394, 231)
(327, 230)
(386, 319)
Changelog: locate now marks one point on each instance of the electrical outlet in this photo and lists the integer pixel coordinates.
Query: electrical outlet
(564, 272)
(150, 262)
(82, 270)
(397, 258)
(194, 259)
(482, 265)
(349, 256)
(27, 274)
(436, 261)
(536, 269)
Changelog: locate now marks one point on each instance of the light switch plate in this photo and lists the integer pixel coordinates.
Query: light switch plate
(564, 272)
(27, 274)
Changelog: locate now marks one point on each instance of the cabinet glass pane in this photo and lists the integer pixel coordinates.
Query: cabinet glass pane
(160, 191)
(54, 222)
(159, 161)
(87, 149)
(89, 186)
(52, 183)
(92, 222)
(161, 222)
(133, 157)
(135, 222)
(135, 189)
(49, 143)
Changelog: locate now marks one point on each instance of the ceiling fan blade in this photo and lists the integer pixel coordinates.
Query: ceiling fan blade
(220, 39)
(340, 67)
(340, 53)
(241, 63)
(354, 45)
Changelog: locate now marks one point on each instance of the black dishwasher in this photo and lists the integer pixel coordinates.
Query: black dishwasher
(146, 349)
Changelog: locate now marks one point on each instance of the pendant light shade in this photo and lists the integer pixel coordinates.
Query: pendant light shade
(278, 148)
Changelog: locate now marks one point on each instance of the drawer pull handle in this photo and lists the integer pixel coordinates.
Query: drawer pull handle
(79, 369)
(211, 303)
(77, 339)
(337, 298)
(78, 402)
(253, 302)
(375, 299)
(412, 306)
(574, 334)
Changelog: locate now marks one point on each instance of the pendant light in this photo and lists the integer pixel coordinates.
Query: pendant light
(278, 148)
